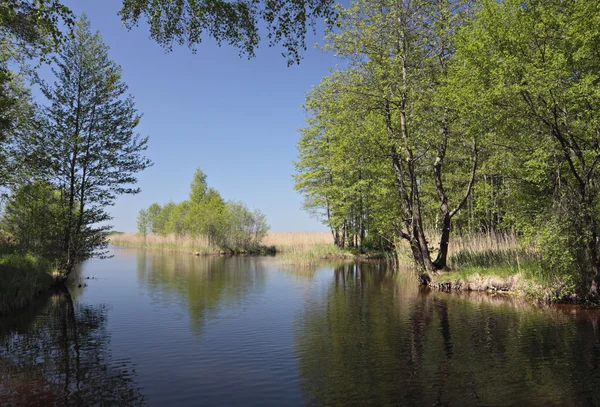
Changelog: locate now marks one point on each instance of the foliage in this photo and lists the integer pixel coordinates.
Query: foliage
(23, 278)
(87, 153)
(388, 112)
(465, 116)
(532, 64)
(32, 26)
(233, 22)
(224, 224)
(33, 215)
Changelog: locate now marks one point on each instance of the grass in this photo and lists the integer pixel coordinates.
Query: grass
(171, 242)
(498, 262)
(23, 278)
(293, 248)
(312, 254)
(298, 242)
(283, 242)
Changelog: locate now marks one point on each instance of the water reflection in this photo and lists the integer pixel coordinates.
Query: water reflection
(350, 334)
(58, 354)
(370, 340)
(202, 284)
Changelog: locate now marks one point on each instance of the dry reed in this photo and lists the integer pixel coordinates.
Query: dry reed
(284, 242)
(296, 242)
(171, 242)
(483, 250)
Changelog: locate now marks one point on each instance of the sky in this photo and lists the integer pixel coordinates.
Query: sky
(236, 119)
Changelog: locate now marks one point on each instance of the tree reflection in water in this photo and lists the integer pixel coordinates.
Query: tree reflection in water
(201, 284)
(372, 340)
(59, 354)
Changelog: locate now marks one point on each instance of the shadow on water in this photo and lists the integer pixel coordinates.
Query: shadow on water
(373, 340)
(203, 285)
(57, 353)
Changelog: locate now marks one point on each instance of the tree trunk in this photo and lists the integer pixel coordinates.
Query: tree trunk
(441, 260)
(594, 291)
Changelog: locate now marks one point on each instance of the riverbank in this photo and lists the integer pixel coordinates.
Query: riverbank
(292, 248)
(500, 264)
(23, 278)
(527, 281)
(198, 246)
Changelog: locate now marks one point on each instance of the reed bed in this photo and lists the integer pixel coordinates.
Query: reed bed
(298, 242)
(170, 242)
(479, 250)
(305, 248)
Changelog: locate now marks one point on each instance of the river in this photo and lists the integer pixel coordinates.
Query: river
(161, 329)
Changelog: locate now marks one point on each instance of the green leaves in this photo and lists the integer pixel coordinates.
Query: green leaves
(87, 149)
(227, 225)
(232, 22)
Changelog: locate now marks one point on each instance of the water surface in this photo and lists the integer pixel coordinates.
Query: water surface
(173, 329)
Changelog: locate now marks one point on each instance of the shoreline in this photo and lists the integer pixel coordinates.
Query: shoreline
(516, 286)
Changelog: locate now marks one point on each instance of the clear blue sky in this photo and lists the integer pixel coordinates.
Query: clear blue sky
(235, 118)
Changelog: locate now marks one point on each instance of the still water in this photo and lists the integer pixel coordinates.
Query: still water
(174, 330)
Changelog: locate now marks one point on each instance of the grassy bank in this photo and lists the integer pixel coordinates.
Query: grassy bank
(299, 248)
(497, 263)
(305, 248)
(182, 244)
(23, 278)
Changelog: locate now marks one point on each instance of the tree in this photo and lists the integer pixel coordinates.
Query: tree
(228, 225)
(198, 187)
(143, 223)
(233, 22)
(88, 149)
(535, 66)
(28, 30)
(391, 101)
(32, 26)
(32, 215)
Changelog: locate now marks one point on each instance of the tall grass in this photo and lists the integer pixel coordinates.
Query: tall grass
(487, 252)
(22, 278)
(293, 247)
(284, 242)
(299, 242)
(170, 242)
(312, 254)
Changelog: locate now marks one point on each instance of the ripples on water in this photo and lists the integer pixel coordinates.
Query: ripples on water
(164, 329)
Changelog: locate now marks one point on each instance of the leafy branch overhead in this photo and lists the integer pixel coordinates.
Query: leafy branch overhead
(236, 23)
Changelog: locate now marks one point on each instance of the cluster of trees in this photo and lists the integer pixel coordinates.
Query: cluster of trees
(226, 224)
(66, 157)
(464, 116)
(63, 162)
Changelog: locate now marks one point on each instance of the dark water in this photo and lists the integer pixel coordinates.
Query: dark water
(171, 330)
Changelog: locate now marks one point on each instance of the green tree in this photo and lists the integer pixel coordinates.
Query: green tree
(143, 223)
(198, 188)
(28, 30)
(89, 149)
(391, 102)
(32, 214)
(229, 225)
(534, 65)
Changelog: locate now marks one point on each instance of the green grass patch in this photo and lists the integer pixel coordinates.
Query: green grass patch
(530, 270)
(312, 254)
(22, 278)
(500, 263)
